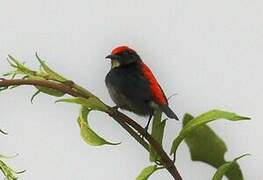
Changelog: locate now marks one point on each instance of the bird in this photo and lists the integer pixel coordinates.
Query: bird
(133, 87)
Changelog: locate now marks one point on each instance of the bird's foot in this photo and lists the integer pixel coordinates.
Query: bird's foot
(146, 127)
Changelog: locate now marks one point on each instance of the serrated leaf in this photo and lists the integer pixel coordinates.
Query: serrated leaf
(207, 147)
(9, 173)
(157, 133)
(201, 120)
(147, 172)
(87, 134)
(223, 169)
(92, 102)
(51, 73)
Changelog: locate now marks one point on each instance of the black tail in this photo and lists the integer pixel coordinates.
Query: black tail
(169, 113)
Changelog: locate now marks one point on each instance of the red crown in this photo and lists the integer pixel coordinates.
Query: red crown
(120, 49)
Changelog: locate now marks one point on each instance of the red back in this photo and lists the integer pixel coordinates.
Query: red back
(156, 90)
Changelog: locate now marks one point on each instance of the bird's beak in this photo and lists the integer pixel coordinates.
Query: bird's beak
(112, 57)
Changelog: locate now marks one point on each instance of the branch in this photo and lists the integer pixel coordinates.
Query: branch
(132, 127)
(44, 83)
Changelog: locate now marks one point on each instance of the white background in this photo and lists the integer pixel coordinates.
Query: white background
(209, 52)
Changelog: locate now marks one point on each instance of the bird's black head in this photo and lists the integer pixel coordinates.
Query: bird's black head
(123, 55)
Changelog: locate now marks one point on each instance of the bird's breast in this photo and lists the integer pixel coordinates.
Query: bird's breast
(128, 89)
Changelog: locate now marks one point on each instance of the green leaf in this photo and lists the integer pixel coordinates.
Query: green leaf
(222, 170)
(51, 73)
(147, 172)
(20, 68)
(157, 133)
(87, 134)
(9, 173)
(13, 74)
(201, 120)
(206, 146)
(49, 91)
(92, 103)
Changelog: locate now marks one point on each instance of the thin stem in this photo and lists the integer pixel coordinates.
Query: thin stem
(127, 123)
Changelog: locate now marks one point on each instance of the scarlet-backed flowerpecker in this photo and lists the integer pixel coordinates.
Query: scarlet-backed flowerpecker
(132, 85)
